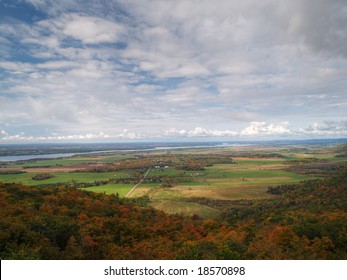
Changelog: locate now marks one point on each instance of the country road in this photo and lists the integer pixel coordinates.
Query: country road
(138, 183)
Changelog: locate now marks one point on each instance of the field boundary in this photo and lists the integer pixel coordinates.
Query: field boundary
(129, 193)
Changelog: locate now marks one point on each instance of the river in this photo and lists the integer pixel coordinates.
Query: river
(67, 155)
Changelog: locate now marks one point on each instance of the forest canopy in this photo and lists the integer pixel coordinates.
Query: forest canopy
(304, 221)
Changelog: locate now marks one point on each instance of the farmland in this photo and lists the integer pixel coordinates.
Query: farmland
(179, 178)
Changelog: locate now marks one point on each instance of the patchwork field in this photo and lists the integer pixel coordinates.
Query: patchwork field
(177, 178)
(247, 179)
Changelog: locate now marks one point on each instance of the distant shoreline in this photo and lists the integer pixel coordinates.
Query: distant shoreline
(13, 158)
(20, 152)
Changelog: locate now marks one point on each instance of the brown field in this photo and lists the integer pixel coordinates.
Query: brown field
(224, 192)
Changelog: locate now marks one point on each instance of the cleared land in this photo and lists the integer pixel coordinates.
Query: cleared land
(179, 176)
(120, 189)
(60, 177)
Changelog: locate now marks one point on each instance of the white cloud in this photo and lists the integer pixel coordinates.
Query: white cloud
(254, 129)
(200, 132)
(16, 137)
(3, 132)
(91, 30)
(262, 128)
(128, 135)
(100, 136)
(17, 67)
(251, 132)
(327, 128)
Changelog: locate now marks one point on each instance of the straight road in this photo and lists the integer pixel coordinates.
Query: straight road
(138, 183)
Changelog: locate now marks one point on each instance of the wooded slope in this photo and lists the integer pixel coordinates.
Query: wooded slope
(305, 221)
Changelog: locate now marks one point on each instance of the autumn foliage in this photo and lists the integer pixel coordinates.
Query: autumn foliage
(303, 221)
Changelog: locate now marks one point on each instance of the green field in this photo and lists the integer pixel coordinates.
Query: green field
(229, 171)
(246, 180)
(249, 177)
(121, 189)
(61, 177)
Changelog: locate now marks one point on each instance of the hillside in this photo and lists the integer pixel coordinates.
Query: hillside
(306, 221)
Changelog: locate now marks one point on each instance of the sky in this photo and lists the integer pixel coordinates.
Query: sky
(173, 70)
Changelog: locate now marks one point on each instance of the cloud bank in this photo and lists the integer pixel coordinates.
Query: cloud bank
(255, 130)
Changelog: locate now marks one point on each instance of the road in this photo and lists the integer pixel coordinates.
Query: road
(138, 183)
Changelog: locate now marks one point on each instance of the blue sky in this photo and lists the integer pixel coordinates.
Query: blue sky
(187, 70)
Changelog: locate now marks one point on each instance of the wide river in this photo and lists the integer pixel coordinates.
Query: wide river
(67, 155)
